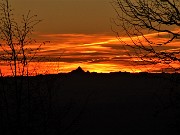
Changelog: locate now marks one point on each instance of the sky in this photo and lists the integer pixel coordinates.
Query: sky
(80, 34)
(69, 16)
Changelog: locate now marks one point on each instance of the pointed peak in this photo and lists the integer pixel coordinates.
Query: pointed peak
(78, 70)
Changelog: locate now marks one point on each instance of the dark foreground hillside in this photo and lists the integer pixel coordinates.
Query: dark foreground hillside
(91, 104)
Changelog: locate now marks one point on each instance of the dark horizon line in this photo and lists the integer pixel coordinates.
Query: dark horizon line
(96, 73)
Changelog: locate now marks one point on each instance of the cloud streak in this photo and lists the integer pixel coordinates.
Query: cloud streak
(94, 52)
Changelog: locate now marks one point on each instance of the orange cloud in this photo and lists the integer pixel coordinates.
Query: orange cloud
(96, 52)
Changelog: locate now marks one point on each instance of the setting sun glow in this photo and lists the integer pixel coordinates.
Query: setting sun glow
(81, 35)
(93, 52)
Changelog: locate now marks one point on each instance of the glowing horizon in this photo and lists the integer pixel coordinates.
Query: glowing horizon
(80, 34)
(93, 52)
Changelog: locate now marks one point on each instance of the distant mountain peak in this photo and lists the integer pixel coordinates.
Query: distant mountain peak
(78, 70)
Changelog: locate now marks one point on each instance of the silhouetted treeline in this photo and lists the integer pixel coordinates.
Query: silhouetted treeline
(91, 103)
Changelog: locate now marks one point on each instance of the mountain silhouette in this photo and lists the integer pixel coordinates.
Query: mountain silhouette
(79, 70)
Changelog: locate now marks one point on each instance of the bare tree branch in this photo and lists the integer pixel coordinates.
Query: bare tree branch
(14, 38)
(140, 18)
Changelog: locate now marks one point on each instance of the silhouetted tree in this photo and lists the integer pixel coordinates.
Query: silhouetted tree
(151, 25)
(151, 31)
(14, 38)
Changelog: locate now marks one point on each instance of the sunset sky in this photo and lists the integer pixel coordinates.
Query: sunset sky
(80, 34)
(69, 16)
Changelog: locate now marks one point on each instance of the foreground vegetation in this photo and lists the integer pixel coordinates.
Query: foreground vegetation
(91, 103)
